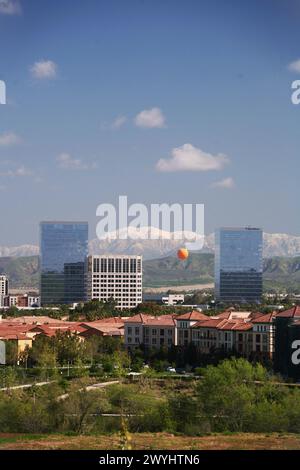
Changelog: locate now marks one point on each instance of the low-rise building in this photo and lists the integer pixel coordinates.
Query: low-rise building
(151, 331)
(173, 299)
(184, 323)
(264, 334)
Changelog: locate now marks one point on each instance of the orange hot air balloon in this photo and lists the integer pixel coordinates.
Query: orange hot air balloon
(182, 253)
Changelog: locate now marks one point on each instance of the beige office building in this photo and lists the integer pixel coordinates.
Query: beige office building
(118, 277)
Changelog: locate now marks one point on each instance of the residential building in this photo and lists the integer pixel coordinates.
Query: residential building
(204, 334)
(152, 332)
(264, 334)
(63, 252)
(115, 277)
(184, 323)
(238, 265)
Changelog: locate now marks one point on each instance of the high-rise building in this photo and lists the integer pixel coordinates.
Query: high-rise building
(63, 253)
(117, 277)
(3, 289)
(3, 285)
(238, 264)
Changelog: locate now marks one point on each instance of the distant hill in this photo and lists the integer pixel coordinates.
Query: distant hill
(22, 271)
(279, 272)
(197, 269)
(168, 271)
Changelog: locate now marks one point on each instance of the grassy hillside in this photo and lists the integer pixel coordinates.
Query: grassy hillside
(197, 269)
(22, 272)
(279, 272)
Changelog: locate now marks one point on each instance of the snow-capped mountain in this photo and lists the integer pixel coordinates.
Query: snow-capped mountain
(164, 244)
(16, 251)
(275, 244)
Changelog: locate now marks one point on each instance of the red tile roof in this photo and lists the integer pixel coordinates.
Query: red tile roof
(163, 320)
(223, 324)
(210, 323)
(139, 318)
(225, 314)
(290, 313)
(117, 320)
(32, 320)
(192, 316)
(8, 334)
(106, 330)
(267, 318)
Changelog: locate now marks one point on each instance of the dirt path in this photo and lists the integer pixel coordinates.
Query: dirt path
(186, 288)
(153, 441)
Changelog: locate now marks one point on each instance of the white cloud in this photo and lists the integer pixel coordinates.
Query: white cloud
(190, 158)
(10, 7)
(20, 171)
(119, 122)
(295, 66)
(44, 69)
(9, 138)
(67, 162)
(150, 118)
(226, 183)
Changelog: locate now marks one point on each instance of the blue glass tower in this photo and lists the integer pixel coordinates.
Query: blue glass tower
(63, 253)
(238, 264)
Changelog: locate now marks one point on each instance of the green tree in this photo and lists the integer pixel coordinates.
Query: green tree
(227, 392)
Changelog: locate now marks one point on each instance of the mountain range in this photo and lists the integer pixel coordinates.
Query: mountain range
(165, 244)
(279, 272)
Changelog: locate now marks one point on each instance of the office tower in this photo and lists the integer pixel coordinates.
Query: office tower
(63, 253)
(117, 277)
(3, 285)
(238, 265)
(3, 290)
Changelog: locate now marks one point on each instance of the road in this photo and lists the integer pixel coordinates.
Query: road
(17, 387)
(91, 387)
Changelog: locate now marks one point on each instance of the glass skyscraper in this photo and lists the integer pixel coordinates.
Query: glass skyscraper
(238, 264)
(63, 254)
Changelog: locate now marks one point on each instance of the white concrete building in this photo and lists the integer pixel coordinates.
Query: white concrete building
(173, 299)
(117, 277)
(3, 285)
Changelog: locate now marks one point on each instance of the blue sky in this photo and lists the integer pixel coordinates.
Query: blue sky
(101, 93)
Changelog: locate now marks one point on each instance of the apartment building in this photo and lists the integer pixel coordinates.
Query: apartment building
(154, 332)
(118, 277)
(264, 334)
(184, 323)
(248, 333)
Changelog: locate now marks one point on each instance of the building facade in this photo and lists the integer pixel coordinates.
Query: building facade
(152, 332)
(63, 253)
(115, 277)
(238, 265)
(184, 324)
(4, 287)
